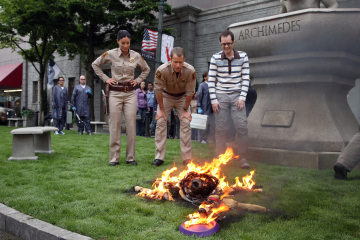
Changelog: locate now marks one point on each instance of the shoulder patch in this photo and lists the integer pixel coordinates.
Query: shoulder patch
(158, 74)
(142, 58)
(104, 54)
(193, 76)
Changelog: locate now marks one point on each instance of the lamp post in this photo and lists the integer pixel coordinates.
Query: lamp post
(159, 39)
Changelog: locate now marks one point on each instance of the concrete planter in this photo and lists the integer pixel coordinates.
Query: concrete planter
(29, 122)
(302, 64)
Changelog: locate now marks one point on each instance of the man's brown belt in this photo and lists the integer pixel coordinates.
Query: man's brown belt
(175, 94)
(122, 87)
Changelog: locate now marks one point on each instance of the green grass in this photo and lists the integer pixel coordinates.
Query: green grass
(76, 189)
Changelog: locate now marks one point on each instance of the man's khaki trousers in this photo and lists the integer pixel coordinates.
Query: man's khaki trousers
(161, 130)
(120, 102)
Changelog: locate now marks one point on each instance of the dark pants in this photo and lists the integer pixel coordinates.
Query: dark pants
(140, 125)
(59, 123)
(86, 123)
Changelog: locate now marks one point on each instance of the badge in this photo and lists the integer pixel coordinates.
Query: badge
(158, 74)
(104, 54)
(132, 60)
(193, 76)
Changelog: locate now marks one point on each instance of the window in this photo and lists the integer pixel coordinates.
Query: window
(35, 92)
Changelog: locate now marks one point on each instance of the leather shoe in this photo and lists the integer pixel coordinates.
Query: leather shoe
(113, 163)
(132, 162)
(340, 171)
(186, 162)
(157, 162)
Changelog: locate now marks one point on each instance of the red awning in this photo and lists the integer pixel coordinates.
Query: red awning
(11, 75)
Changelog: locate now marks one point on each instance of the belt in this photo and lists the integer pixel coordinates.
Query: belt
(124, 88)
(175, 94)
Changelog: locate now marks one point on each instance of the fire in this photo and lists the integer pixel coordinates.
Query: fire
(209, 215)
(162, 185)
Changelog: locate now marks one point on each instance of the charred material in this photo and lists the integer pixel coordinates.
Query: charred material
(198, 186)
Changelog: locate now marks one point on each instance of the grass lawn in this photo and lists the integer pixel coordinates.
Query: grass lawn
(76, 189)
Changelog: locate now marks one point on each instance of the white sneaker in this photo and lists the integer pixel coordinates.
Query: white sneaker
(56, 132)
(244, 164)
(62, 133)
(203, 141)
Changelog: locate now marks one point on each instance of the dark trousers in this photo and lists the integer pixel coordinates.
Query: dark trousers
(86, 123)
(59, 123)
(140, 124)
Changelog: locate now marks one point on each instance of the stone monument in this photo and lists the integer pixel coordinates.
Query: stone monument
(295, 5)
(303, 64)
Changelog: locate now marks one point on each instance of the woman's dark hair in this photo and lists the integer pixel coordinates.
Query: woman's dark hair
(123, 33)
(205, 74)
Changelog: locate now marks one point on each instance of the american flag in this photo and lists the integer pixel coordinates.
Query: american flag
(150, 40)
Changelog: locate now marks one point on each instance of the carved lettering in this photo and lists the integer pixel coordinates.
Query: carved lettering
(267, 30)
(298, 25)
(247, 33)
(274, 30)
(286, 25)
(241, 35)
(261, 31)
(253, 34)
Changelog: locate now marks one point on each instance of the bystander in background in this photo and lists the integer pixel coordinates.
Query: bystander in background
(142, 108)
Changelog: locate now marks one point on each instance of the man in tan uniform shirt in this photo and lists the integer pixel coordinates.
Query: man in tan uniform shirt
(175, 83)
(122, 97)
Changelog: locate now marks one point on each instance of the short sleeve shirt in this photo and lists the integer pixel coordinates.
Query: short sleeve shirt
(167, 79)
(122, 66)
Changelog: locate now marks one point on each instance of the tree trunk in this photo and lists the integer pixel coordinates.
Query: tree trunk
(41, 86)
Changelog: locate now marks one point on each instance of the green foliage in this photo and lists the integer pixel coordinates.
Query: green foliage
(29, 113)
(76, 189)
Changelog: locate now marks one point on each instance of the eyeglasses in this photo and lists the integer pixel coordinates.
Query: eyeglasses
(82, 79)
(227, 44)
(61, 80)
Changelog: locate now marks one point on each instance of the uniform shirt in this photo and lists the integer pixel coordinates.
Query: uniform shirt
(122, 66)
(165, 79)
(232, 75)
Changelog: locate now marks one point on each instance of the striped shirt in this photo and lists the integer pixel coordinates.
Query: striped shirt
(232, 75)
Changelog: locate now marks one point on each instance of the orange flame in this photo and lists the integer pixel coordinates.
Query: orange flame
(198, 218)
(213, 168)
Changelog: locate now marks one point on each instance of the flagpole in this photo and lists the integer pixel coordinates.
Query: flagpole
(159, 39)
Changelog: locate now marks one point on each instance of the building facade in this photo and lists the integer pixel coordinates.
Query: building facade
(196, 25)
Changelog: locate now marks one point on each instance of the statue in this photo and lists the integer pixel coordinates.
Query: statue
(294, 5)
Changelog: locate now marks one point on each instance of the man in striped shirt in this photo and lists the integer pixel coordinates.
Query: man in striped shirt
(231, 69)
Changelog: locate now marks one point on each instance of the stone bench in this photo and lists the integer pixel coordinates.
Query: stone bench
(97, 127)
(31, 140)
(15, 122)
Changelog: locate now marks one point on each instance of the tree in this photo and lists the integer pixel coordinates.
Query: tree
(42, 25)
(98, 23)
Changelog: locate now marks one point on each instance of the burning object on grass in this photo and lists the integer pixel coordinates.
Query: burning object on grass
(204, 186)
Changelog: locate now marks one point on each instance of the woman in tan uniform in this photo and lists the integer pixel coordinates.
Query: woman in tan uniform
(122, 97)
